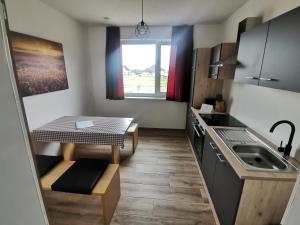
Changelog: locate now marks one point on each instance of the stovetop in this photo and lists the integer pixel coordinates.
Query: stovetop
(222, 120)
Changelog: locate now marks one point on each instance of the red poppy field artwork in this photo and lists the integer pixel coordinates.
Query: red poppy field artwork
(39, 64)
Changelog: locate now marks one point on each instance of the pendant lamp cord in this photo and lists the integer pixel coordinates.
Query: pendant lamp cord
(142, 10)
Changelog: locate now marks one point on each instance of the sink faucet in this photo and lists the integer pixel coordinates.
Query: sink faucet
(287, 149)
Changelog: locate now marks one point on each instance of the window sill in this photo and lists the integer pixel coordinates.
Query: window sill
(147, 98)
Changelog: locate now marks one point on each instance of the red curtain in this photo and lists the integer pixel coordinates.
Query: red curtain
(178, 88)
(113, 64)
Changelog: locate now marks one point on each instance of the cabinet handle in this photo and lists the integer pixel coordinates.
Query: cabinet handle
(220, 158)
(217, 65)
(252, 78)
(195, 129)
(267, 79)
(202, 129)
(213, 145)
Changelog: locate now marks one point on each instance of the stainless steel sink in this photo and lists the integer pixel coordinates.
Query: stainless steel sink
(258, 156)
(252, 152)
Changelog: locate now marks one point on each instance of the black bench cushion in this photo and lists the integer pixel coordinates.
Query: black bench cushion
(81, 177)
(45, 163)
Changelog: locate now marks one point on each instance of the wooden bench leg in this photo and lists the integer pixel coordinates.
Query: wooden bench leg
(115, 154)
(135, 138)
(111, 198)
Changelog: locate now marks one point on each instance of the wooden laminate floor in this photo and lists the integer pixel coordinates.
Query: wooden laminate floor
(160, 183)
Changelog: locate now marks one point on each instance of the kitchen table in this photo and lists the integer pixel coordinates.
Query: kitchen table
(105, 131)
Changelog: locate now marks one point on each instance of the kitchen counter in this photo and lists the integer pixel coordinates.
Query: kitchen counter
(236, 164)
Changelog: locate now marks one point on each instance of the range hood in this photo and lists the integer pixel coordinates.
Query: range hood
(231, 61)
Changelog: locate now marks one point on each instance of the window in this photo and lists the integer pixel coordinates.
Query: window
(145, 68)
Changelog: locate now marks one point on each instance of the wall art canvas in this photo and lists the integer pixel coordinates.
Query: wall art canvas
(39, 64)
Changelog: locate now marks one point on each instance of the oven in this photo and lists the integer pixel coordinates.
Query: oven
(199, 135)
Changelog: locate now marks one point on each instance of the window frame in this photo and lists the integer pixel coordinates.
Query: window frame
(158, 44)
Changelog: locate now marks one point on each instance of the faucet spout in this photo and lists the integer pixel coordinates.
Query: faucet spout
(288, 147)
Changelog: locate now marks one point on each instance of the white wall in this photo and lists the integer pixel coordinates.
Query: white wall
(38, 19)
(260, 107)
(149, 113)
(207, 35)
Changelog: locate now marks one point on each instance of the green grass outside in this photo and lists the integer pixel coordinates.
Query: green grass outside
(143, 83)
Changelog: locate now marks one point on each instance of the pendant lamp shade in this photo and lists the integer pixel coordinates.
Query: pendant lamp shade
(142, 29)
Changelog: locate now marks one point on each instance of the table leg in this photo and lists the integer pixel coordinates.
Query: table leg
(68, 151)
(115, 154)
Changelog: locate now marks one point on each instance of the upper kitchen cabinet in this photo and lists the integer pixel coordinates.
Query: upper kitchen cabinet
(251, 54)
(269, 54)
(223, 61)
(281, 66)
(246, 25)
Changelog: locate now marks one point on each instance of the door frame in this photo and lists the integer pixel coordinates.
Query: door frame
(4, 30)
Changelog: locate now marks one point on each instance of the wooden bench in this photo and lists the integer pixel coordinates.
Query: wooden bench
(77, 209)
(133, 131)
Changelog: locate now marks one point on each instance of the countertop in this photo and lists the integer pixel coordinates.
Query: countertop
(236, 164)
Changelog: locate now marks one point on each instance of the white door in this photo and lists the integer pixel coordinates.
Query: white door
(20, 196)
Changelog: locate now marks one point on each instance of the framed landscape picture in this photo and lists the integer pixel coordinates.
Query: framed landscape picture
(39, 64)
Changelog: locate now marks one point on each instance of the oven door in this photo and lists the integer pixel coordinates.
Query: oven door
(199, 141)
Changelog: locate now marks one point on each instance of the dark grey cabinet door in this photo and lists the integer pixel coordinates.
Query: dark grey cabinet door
(251, 54)
(209, 160)
(191, 120)
(227, 189)
(281, 66)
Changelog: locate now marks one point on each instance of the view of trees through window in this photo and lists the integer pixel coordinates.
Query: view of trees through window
(145, 68)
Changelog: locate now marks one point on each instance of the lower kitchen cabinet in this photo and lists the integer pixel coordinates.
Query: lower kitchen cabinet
(190, 122)
(226, 191)
(209, 161)
(223, 184)
(237, 201)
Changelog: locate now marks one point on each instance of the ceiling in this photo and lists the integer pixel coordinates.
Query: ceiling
(156, 12)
